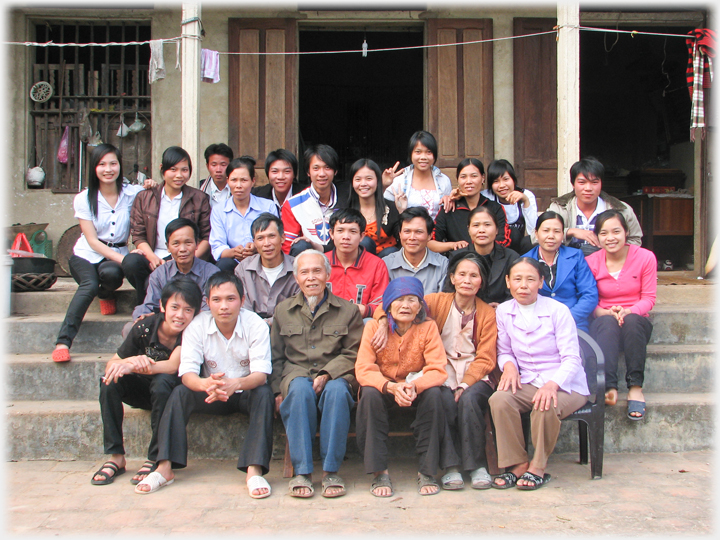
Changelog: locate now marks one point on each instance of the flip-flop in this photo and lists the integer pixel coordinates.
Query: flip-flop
(636, 407)
(155, 480)
(382, 480)
(538, 482)
(333, 481)
(147, 468)
(300, 481)
(481, 479)
(258, 482)
(425, 480)
(510, 480)
(107, 478)
(452, 481)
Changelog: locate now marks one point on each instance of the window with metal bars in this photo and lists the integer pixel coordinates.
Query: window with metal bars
(92, 91)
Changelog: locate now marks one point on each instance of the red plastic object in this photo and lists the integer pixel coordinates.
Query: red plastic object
(21, 243)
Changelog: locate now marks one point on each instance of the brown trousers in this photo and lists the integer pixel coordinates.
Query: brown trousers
(506, 409)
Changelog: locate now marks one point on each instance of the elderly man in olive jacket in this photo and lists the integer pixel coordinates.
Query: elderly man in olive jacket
(315, 338)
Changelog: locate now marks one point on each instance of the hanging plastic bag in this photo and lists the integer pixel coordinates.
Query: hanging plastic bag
(62, 154)
(85, 127)
(137, 125)
(95, 140)
(123, 130)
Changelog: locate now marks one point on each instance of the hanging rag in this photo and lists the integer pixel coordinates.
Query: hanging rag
(210, 66)
(701, 50)
(177, 56)
(157, 61)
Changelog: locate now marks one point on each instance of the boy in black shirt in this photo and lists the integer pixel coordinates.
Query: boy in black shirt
(143, 374)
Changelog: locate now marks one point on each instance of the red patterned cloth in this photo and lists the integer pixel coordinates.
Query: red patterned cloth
(701, 50)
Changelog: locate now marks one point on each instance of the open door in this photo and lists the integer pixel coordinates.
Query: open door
(535, 76)
(460, 90)
(263, 88)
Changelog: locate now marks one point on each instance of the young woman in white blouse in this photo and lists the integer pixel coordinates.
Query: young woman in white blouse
(103, 211)
(519, 204)
(421, 183)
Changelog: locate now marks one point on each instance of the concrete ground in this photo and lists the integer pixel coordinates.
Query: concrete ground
(663, 494)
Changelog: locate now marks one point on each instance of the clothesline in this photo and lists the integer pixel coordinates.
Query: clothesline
(353, 51)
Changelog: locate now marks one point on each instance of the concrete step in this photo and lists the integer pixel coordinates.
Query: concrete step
(73, 430)
(669, 368)
(37, 333)
(102, 333)
(683, 324)
(57, 298)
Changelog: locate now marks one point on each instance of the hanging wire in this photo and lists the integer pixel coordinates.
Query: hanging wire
(662, 67)
(617, 37)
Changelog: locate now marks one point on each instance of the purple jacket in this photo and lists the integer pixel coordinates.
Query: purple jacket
(548, 347)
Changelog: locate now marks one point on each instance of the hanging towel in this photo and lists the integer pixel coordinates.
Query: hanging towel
(157, 61)
(177, 56)
(701, 49)
(210, 66)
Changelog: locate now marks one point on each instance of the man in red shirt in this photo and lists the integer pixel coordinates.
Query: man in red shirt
(357, 276)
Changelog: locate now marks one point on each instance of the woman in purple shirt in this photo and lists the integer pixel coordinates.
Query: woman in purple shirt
(539, 356)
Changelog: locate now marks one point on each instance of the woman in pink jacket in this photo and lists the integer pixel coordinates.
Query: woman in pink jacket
(626, 278)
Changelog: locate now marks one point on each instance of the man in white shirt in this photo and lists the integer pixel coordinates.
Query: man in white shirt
(224, 365)
(217, 158)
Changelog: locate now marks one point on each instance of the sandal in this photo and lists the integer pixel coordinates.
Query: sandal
(537, 481)
(107, 478)
(258, 482)
(452, 481)
(301, 481)
(481, 479)
(61, 355)
(636, 407)
(333, 481)
(510, 479)
(382, 480)
(147, 468)
(155, 480)
(424, 480)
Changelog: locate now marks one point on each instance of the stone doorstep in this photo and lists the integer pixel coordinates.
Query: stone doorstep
(73, 430)
(669, 368)
(102, 333)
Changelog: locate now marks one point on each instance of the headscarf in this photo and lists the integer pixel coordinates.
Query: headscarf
(398, 287)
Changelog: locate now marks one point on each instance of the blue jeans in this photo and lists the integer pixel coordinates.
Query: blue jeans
(299, 411)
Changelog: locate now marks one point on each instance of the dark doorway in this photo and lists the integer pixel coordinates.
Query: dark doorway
(364, 107)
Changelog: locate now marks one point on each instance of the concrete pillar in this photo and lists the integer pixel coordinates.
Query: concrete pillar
(190, 100)
(568, 92)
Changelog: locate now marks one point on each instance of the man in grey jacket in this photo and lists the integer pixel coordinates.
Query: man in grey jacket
(415, 259)
(267, 276)
(580, 207)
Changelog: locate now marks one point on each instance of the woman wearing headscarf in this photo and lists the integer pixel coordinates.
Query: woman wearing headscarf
(409, 371)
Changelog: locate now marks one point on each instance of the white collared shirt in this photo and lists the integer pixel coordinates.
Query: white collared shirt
(111, 224)
(169, 210)
(217, 195)
(278, 203)
(205, 350)
(585, 223)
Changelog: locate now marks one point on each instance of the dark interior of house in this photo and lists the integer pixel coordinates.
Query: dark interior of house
(364, 107)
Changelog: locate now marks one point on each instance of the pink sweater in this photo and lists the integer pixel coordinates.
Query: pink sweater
(636, 286)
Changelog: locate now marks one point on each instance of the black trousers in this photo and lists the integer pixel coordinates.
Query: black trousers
(466, 419)
(148, 392)
(137, 270)
(226, 265)
(258, 404)
(433, 440)
(631, 338)
(93, 279)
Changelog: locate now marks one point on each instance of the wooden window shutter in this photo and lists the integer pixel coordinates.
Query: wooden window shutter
(535, 82)
(460, 90)
(262, 88)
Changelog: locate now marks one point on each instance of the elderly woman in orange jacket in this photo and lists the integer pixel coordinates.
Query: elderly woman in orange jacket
(408, 371)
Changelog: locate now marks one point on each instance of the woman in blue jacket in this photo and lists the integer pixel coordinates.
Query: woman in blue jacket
(568, 278)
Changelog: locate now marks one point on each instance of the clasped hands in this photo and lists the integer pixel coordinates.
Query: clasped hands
(218, 388)
(404, 392)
